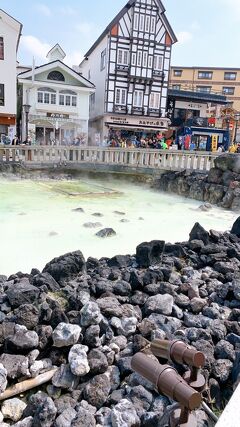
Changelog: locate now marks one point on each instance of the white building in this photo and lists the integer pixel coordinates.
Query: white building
(10, 31)
(129, 65)
(55, 102)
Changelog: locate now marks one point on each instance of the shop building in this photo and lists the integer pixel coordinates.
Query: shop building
(10, 32)
(198, 120)
(54, 101)
(222, 81)
(129, 65)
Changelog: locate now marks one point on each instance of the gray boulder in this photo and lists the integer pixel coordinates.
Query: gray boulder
(66, 266)
(15, 365)
(106, 232)
(90, 314)
(22, 293)
(97, 390)
(66, 334)
(64, 378)
(78, 360)
(160, 304)
(13, 409)
(150, 253)
(124, 415)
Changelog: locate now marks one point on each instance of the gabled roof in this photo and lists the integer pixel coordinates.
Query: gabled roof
(122, 12)
(14, 21)
(56, 47)
(60, 64)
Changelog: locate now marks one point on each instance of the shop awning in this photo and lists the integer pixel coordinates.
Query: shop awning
(135, 128)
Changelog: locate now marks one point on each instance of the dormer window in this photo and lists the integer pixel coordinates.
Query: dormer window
(56, 75)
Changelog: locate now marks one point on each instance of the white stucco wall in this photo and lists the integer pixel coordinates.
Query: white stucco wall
(97, 77)
(9, 30)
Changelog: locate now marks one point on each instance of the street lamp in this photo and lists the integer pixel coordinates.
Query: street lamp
(236, 117)
(26, 108)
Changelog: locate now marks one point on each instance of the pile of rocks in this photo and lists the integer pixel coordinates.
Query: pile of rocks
(221, 186)
(88, 318)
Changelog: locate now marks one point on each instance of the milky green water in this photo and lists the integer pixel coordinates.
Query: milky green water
(30, 212)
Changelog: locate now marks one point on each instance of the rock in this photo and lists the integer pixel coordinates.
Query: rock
(97, 361)
(84, 418)
(236, 227)
(110, 306)
(215, 176)
(119, 261)
(22, 293)
(205, 207)
(124, 220)
(228, 162)
(27, 422)
(3, 378)
(97, 214)
(45, 279)
(224, 350)
(97, 390)
(15, 365)
(78, 360)
(13, 409)
(66, 418)
(66, 334)
(150, 253)
(106, 232)
(198, 233)
(90, 314)
(126, 326)
(40, 366)
(222, 369)
(64, 378)
(197, 305)
(27, 315)
(161, 304)
(22, 341)
(121, 287)
(124, 415)
(66, 266)
(141, 399)
(103, 417)
(42, 409)
(52, 234)
(78, 210)
(92, 224)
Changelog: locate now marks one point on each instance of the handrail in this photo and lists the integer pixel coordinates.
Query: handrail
(128, 157)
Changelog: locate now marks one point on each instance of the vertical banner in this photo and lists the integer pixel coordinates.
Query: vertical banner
(214, 142)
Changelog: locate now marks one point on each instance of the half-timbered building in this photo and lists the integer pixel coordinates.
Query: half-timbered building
(129, 65)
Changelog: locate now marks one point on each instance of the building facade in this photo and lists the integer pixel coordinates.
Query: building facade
(129, 65)
(10, 31)
(55, 102)
(225, 81)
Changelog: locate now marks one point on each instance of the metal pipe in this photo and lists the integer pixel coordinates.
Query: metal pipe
(167, 381)
(178, 352)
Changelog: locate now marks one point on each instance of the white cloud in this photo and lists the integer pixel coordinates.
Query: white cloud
(73, 58)
(233, 7)
(39, 50)
(184, 37)
(35, 47)
(43, 9)
(85, 28)
(195, 26)
(68, 10)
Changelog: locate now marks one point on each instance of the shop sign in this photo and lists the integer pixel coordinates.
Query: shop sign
(214, 142)
(137, 122)
(211, 122)
(58, 116)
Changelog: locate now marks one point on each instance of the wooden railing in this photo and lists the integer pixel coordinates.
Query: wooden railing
(128, 157)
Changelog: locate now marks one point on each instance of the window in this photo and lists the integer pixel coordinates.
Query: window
(1, 94)
(68, 98)
(61, 99)
(138, 98)
(141, 25)
(53, 98)
(40, 97)
(157, 63)
(154, 101)
(74, 101)
(136, 21)
(139, 58)
(147, 24)
(46, 98)
(46, 95)
(133, 58)
(103, 59)
(205, 75)
(228, 90)
(122, 57)
(204, 89)
(89, 74)
(145, 59)
(150, 61)
(121, 96)
(1, 48)
(177, 73)
(176, 87)
(153, 25)
(92, 102)
(230, 76)
(56, 75)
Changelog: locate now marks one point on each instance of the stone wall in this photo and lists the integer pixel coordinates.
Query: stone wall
(221, 186)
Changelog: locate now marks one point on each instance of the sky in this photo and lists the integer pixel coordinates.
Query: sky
(208, 31)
